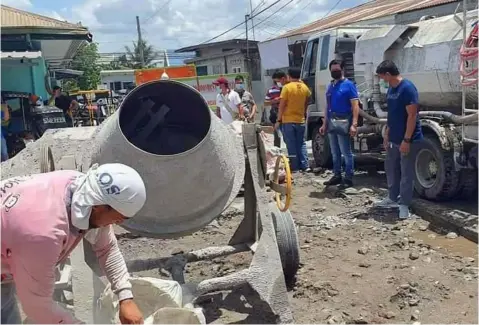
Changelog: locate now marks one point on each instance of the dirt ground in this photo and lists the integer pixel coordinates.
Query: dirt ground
(358, 265)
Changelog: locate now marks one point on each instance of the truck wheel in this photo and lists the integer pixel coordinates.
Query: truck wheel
(467, 184)
(321, 152)
(435, 174)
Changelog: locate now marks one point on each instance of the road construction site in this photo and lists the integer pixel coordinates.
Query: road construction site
(358, 265)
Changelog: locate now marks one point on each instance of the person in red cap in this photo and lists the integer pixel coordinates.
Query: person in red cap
(228, 102)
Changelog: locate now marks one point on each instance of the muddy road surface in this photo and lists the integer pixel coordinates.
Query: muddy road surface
(359, 265)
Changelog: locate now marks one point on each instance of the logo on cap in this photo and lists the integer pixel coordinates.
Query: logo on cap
(106, 182)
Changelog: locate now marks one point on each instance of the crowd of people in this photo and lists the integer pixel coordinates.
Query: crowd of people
(288, 100)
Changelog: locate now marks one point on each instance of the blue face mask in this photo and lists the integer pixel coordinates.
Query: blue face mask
(218, 90)
(239, 86)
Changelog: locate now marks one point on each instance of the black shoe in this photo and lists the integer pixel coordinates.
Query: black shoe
(347, 183)
(335, 180)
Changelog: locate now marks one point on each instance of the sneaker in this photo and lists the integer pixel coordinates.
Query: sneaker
(347, 183)
(307, 170)
(386, 203)
(335, 180)
(404, 212)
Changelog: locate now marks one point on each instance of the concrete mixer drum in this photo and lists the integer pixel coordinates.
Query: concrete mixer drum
(193, 167)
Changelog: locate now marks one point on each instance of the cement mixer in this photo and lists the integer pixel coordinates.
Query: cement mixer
(439, 56)
(193, 166)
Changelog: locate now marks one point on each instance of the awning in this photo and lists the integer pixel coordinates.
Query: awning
(21, 55)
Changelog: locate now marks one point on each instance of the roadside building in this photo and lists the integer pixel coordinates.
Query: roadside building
(33, 45)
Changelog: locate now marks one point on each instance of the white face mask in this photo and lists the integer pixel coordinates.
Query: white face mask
(279, 84)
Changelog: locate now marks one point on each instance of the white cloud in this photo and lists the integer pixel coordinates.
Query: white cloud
(177, 23)
(19, 4)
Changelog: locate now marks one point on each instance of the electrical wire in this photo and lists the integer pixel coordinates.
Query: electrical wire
(240, 24)
(157, 11)
(262, 21)
(308, 4)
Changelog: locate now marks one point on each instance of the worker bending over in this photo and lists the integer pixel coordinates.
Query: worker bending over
(45, 216)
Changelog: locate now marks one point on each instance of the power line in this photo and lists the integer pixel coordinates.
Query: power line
(240, 24)
(156, 11)
(308, 4)
(258, 6)
(262, 21)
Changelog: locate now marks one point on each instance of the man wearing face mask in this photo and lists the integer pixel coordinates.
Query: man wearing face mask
(44, 217)
(341, 121)
(247, 100)
(403, 133)
(228, 102)
(272, 99)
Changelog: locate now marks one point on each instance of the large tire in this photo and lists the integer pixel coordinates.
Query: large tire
(467, 184)
(443, 185)
(321, 151)
(288, 244)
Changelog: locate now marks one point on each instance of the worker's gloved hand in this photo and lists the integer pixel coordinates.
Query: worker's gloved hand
(129, 312)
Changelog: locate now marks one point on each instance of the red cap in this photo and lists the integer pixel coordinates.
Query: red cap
(221, 80)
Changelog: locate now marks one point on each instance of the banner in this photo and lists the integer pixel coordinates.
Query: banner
(204, 84)
(145, 75)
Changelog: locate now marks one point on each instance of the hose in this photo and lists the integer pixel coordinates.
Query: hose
(450, 117)
(468, 52)
(371, 118)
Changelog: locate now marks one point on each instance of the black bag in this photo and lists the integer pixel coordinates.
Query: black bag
(337, 124)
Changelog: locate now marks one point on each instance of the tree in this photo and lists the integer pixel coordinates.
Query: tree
(86, 60)
(133, 55)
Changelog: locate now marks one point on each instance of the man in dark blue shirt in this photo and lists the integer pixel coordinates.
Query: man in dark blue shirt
(341, 122)
(403, 132)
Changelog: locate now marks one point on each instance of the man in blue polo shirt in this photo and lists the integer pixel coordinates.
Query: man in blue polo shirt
(401, 138)
(341, 118)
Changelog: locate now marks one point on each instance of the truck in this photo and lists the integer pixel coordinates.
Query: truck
(439, 55)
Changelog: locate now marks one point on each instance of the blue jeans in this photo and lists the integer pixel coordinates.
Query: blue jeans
(10, 311)
(4, 149)
(341, 145)
(293, 135)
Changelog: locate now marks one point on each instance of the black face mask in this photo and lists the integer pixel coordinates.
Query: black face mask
(336, 74)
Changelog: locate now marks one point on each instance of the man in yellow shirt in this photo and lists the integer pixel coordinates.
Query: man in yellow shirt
(291, 119)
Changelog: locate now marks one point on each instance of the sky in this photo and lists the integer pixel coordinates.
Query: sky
(172, 24)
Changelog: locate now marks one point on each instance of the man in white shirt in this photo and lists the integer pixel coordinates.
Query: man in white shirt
(228, 102)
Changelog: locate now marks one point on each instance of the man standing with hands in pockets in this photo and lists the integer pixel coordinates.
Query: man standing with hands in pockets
(403, 132)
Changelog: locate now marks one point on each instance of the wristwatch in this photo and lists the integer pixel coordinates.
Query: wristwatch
(407, 140)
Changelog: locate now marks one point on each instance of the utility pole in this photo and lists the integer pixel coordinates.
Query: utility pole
(246, 18)
(140, 42)
(251, 15)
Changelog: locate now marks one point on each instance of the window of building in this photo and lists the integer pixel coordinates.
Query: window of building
(117, 85)
(236, 70)
(217, 69)
(128, 85)
(202, 70)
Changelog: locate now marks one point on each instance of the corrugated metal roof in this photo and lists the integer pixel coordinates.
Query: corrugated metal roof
(370, 10)
(12, 17)
(21, 55)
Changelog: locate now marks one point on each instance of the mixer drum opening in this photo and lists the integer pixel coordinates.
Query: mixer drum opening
(164, 117)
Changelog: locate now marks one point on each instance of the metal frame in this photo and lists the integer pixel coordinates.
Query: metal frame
(255, 233)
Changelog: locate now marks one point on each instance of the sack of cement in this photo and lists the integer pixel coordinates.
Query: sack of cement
(160, 301)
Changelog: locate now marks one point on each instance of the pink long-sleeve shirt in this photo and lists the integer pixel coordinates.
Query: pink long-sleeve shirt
(37, 235)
